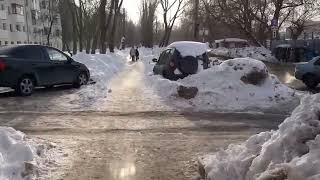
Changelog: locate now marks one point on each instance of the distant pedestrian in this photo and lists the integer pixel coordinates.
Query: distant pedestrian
(137, 54)
(132, 53)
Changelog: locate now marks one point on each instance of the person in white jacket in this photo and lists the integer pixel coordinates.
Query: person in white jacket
(133, 54)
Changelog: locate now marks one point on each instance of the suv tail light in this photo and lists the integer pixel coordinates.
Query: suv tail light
(2, 65)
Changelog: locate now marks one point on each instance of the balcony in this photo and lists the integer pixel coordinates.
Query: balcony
(3, 14)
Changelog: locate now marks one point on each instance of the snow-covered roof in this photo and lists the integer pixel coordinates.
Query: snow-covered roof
(189, 48)
(230, 40)
(284, 46)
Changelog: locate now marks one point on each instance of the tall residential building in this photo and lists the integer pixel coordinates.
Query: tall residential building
(29, 21)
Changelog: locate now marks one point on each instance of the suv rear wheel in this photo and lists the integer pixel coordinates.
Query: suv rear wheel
(25, 86)
(310, 81)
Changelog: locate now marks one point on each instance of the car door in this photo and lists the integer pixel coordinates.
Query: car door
(162, 63)
(35, 63)
(64, 70)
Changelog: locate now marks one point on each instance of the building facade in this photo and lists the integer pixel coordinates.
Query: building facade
(29, 22)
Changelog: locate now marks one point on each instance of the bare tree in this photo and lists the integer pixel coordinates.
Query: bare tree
(168, 21)
(49, 17)
(147, 21)
(252, 18)
(117, 8)
(300, 17)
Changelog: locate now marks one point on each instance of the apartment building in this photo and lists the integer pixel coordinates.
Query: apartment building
(29, 21)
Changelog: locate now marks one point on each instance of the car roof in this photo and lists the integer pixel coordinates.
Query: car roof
(190, 48)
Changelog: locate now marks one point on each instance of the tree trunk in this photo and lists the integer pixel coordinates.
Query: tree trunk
(49, 33)
(95, 41)
(88, 45)
(113, 31)
(102, 17)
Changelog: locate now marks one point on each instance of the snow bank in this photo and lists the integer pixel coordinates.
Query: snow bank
(103, 67)
(230, 40)
(259, 53)
(221, 88)
(190, 48)
(14, 153)
(291, 152)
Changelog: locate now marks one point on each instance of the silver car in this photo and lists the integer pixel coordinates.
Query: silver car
(309, 72)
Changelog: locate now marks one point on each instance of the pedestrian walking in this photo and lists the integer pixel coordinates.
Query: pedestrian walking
(132, 53)
(137, 54)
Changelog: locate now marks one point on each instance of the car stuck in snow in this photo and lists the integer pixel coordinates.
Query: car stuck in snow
(181, 59)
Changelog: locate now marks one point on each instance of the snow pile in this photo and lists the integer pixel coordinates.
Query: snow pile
(224, 87)
(292, 152)
(15, 153)
(259, 53)
(103, 67)
(230, 40)
(190, 48)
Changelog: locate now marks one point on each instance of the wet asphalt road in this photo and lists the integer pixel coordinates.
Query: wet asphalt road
(150, 141)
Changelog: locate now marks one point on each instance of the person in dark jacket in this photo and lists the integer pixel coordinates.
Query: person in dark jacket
(137, 54)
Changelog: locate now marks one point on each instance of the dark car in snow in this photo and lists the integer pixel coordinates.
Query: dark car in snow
(309, 72)
(24, 67)
(181, 59)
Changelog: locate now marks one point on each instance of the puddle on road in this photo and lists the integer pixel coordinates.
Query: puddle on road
(288, 78)
(123, 170)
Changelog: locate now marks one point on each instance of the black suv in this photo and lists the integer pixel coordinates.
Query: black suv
(24, 67)
(171, 59)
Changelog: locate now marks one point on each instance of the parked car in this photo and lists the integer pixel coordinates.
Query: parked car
(24, 67)
(309, 72)
(181, 59)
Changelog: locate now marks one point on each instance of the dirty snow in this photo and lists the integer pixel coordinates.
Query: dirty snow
(103, 67)
(291, 152)
(190, 48)
(230, 40)
(259, 53)
(15, 153)
(220, 89)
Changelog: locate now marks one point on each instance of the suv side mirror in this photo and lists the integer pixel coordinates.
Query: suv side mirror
(154, 60)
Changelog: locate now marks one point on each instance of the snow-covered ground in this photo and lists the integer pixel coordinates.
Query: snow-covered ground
(221, 88)
(259, 53)
(16, 155)
(291, 152)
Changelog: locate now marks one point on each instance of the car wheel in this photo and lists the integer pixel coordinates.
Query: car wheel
(82, 79)
(310, 81)
(25, 86)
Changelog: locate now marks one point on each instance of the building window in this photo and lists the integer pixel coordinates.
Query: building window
(4, 26)
(24, 29)
(18, 27)
(11, 28)
(18, 42)
(12, 42)
(6, 43)
(17, 9)
(35, 42)
(2, 7)
(25, 42)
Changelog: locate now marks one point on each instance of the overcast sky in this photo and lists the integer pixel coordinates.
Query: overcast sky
(133, 9)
